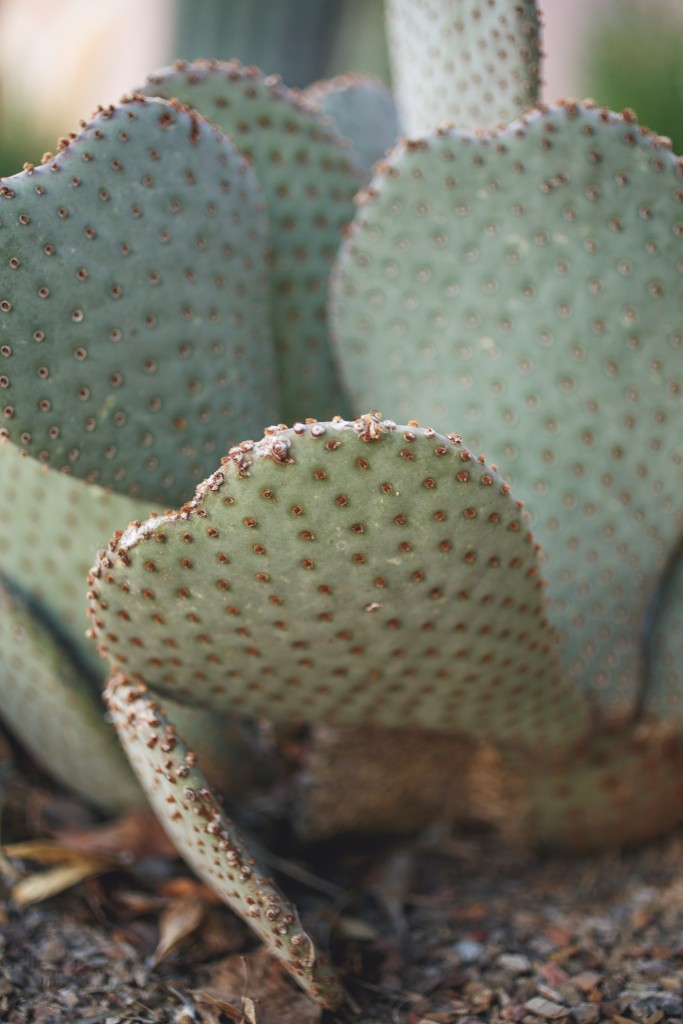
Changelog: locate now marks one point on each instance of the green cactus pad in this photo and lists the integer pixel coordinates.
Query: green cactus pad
(473, 63)
(134, 335)
(296, 38)
(309, 181)
(208, 840)
(49, 705)
(355, 572)
(362, 107)
(662, 638)
(53, 525)
(529, 282)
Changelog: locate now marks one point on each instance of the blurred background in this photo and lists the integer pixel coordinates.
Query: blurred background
(58, 61)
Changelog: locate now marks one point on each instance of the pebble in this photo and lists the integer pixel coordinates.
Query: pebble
(469, 951)
(546, 1008)
(516, 963)
(586, 1013)
(586, 981)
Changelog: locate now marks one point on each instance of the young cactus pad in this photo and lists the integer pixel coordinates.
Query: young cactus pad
(472, 62)
(50, 707)
(178, 791)
(309, 179)
(355, 572)
(134, 329)
(363, 109)
(531, 279)
(52, 526)
(663, 698)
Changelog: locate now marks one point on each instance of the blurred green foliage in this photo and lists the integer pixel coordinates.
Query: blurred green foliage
(634, 58)
(19, 141)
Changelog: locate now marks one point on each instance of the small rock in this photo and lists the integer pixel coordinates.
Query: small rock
(586, 981)
(643, 1009)
(479, 997)
(672, 1007)
(469, 951)
(516, 963)
(586, 1013)
(546, 1008)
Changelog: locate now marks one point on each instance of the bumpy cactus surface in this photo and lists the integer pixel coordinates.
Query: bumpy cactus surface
(559, 343)
(309, 179)
(289, 586)
(473, 62)
(135, 321)
(363, 109)
(516, 276)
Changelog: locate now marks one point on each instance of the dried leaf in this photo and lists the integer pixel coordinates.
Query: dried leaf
(43, 851)
(181, 918)
(355, 928)
(44, 884)
(132, 837)
(208, 1000)
(249, 1008)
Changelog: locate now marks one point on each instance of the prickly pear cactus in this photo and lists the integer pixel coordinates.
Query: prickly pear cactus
(293, 37)
(178, 791)
(662, 633)
(363, 109)
(375, 582)
(345, 571)
(52, 525)
(531, 280)
(49, 705)
(309, 179)
(134, 329)
(354, 572)
(473, 62)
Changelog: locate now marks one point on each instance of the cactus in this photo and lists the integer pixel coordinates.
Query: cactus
(137, 296)
(362, 522)
(298, 44)
(363, 109)
(44, 694)
(476, 64)
(309, 181)
(514, 632)
(537, 335)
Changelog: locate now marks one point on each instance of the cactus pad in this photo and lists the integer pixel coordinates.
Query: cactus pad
(208, 840)
(662, 640)
(362, 107)
(309, 181)
(134, 336)
(53, 524)
(531, 280)
(472, 62)
(49, 705)
(357, 572)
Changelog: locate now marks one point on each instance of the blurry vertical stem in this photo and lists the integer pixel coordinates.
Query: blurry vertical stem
(293, 37)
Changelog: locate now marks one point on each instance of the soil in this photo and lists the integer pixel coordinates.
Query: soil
(442, 929)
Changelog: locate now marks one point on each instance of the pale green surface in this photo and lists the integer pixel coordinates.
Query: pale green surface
(474, 63)
(389, 581)
(49, 705)
(208, 840)
(309, 180)
(134, 334)
(363, 109)
(525, 289)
